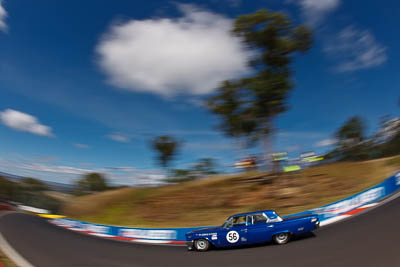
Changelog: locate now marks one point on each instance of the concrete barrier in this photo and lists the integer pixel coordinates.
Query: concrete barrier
(32, 209)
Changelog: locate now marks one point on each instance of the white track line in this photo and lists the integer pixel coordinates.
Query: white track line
(12, 253)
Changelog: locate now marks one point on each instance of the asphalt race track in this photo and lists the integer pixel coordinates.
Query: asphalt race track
(370, 239)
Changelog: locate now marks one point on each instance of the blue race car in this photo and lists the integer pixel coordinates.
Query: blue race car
(251, 228)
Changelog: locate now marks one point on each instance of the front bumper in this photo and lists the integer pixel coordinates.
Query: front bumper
(190, 244)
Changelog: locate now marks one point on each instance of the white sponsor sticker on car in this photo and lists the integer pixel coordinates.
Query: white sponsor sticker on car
(232, 236)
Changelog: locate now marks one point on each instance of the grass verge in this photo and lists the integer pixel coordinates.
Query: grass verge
(6, 261)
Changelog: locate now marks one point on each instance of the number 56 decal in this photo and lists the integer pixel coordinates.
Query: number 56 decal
(232, 236)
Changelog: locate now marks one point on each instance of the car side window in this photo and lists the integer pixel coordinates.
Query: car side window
(259, 218)
(273, 218)
(239, 221)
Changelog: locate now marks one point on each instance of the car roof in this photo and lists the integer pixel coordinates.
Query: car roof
(253, 212)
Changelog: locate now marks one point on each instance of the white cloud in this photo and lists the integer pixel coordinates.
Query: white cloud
(47, 159)
(68, 174)
(54, 169)
(3, 15)
(33, 165)
(118, 138)
(315, 10)
(325, 142)
(24, 122)
(188, 55)
(81, 145)
(356, 49)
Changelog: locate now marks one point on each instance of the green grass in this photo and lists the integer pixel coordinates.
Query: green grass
(209, 201)
(6, 261)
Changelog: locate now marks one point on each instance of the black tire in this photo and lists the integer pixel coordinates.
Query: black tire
(201, 245)
(281, 238)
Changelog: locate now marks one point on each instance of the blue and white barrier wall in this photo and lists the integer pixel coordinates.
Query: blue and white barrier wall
(349, 206)
(328, 214)
(144, 235)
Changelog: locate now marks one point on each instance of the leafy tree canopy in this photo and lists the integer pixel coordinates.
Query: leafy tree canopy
(166, 147)
(351, 143)
(35, 185)
(247, 106)
(92, 182)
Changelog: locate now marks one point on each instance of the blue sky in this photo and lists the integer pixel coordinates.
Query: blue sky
(84, 85)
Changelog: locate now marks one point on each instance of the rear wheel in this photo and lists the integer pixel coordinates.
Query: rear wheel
(281, 238)
(202, 245)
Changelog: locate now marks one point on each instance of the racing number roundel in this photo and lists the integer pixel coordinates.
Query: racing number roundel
(232, 236)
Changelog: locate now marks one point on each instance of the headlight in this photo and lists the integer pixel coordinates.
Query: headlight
(314, 219)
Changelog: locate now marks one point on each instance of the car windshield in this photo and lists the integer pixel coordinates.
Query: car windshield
(228, 223)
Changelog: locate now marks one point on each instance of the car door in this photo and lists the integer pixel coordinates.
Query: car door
(234, 234)
(259, 230)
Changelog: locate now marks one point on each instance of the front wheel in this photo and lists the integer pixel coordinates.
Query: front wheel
(281, 238)
(201, 245)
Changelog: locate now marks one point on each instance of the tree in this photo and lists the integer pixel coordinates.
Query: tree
(9, 190)
(392, 147)
(248, 106)
(350, 140)
(205, 166)
(92, 182)
(352, 132)
(35, 185)
(166, 147)
(390, 131)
